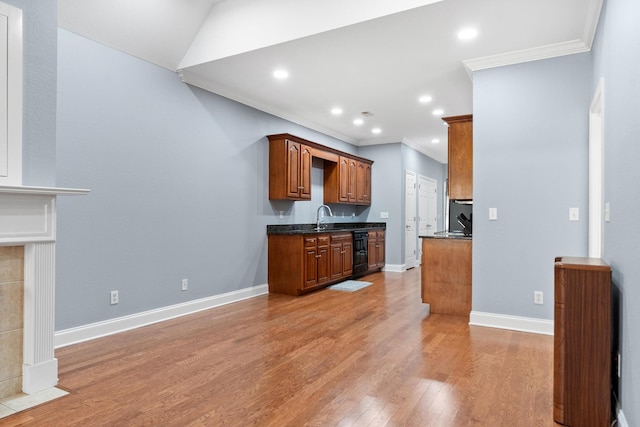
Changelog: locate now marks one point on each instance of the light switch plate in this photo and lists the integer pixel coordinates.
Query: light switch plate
(384, 214)
(493, 214)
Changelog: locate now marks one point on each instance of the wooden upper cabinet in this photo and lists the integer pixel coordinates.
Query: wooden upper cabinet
(289, 170)
(348, 181)
(460, 157)
(347, 178)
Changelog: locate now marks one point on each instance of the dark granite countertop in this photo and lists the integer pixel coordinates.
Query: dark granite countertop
(447, 235)
(330, 227)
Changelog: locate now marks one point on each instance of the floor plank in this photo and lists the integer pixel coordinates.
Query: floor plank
(373, 357)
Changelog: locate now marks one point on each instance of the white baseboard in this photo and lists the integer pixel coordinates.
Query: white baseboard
(515, 323)
(113, 326)
(622, 421)
(395, 268)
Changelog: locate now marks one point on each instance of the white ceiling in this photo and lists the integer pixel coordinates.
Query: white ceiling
(379, 58)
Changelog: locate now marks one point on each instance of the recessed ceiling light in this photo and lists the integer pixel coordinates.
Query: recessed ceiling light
(435, 141)
(358, 122)
(424, 99)
(467, 34)
(336, 111)
(376, 130)
(438, 112)
(280, 74)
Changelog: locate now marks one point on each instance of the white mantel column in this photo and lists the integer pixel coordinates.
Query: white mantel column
(40, 367)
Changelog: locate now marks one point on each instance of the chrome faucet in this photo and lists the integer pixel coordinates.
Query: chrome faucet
(318, 219)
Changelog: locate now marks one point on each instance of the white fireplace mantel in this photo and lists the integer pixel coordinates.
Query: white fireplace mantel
(28, 218)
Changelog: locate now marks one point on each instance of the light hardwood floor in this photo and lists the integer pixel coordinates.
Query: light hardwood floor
(371, 357)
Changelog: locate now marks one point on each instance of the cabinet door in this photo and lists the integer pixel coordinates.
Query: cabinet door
(336, 264)
(347, 259)
(380, 249)
(311, 267)
(461, 159)
(293, 169)
(363, 183)
(372, 251)
(353, 171)
(360, 181)
(367, 184)
(322, 265)
(304, 182)
(343, 179)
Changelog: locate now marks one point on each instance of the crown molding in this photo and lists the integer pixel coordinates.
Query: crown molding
(526, 55)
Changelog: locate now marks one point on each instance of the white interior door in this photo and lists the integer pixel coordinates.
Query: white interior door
(427, 206)
(411, 231)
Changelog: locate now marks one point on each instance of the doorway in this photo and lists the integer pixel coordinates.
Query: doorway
(427, 206)
(410, 214)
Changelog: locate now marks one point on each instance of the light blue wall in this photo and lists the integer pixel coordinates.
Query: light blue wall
(387, 188)
(391, 161)
(179, 187)
(616, 60)
(40, 23)
(530, 154)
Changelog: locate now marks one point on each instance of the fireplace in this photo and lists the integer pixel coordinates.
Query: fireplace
(28, 228)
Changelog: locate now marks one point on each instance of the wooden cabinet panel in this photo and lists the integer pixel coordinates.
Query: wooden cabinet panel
(460, 153)
(582, 342)
(446, 276)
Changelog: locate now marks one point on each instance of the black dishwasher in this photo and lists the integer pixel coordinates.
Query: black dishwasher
(360, 255)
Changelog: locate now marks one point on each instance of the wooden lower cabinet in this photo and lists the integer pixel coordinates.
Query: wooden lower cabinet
(582, 342)
(446, 275)
(376, 249)
(301, 263)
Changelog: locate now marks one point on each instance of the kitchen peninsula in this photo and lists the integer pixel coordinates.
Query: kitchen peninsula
(446, 273)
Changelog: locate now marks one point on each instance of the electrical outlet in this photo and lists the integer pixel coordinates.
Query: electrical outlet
(185, 284)
(114, 297)
(538, 297)
(574, 214)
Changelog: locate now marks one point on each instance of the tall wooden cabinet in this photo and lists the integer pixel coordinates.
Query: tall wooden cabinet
(460, 154)
(582, 342)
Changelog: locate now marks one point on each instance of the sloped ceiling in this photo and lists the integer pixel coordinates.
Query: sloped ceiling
(371, 56)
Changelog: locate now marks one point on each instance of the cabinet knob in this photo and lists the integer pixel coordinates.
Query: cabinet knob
(318, 256)
(301, 187)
